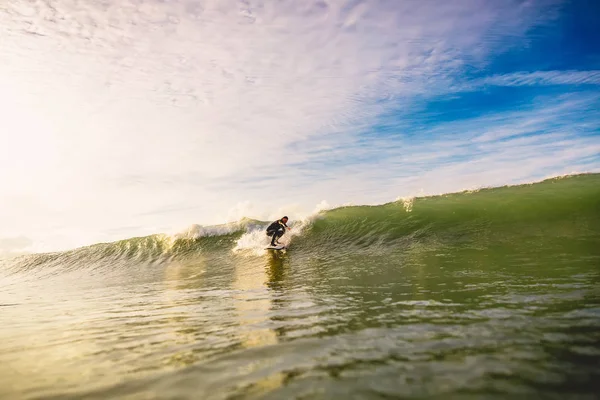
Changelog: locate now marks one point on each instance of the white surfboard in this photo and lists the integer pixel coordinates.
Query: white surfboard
(278, 247)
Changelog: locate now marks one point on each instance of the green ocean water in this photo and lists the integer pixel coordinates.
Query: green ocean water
(486, 294)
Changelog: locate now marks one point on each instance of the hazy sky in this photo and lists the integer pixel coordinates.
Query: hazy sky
(122, 118)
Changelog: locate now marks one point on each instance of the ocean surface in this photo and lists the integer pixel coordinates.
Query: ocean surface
(487, 294)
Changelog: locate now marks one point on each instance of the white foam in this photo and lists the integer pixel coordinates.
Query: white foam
(255, 240)
(407, 203)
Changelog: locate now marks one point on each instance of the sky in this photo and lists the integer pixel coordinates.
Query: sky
(122, 118)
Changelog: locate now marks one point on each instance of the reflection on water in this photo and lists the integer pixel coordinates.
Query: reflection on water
(253, 303)
(420, 321)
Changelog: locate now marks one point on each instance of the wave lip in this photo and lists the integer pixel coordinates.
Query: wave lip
(196, 231)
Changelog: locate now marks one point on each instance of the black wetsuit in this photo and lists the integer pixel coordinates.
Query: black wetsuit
(276, 230)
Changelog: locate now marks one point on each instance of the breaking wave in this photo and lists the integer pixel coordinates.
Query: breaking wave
(565, 208)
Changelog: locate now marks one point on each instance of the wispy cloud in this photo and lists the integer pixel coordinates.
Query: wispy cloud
(544, 78)
(549, 136)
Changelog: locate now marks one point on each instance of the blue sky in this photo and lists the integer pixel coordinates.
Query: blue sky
(128, 118)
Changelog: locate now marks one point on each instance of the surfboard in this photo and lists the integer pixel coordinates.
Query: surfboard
(279, 247)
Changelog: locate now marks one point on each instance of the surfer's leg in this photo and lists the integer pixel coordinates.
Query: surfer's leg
(277, 235)
(273, 235)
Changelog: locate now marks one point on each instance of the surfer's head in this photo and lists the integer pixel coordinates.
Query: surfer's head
(284, 220)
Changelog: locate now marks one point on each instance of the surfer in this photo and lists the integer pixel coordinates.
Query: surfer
(277, 229)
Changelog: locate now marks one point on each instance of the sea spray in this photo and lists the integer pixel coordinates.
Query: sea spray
(255, 240)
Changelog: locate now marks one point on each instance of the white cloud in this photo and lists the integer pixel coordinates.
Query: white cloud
(550, 136)
(544, 78)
